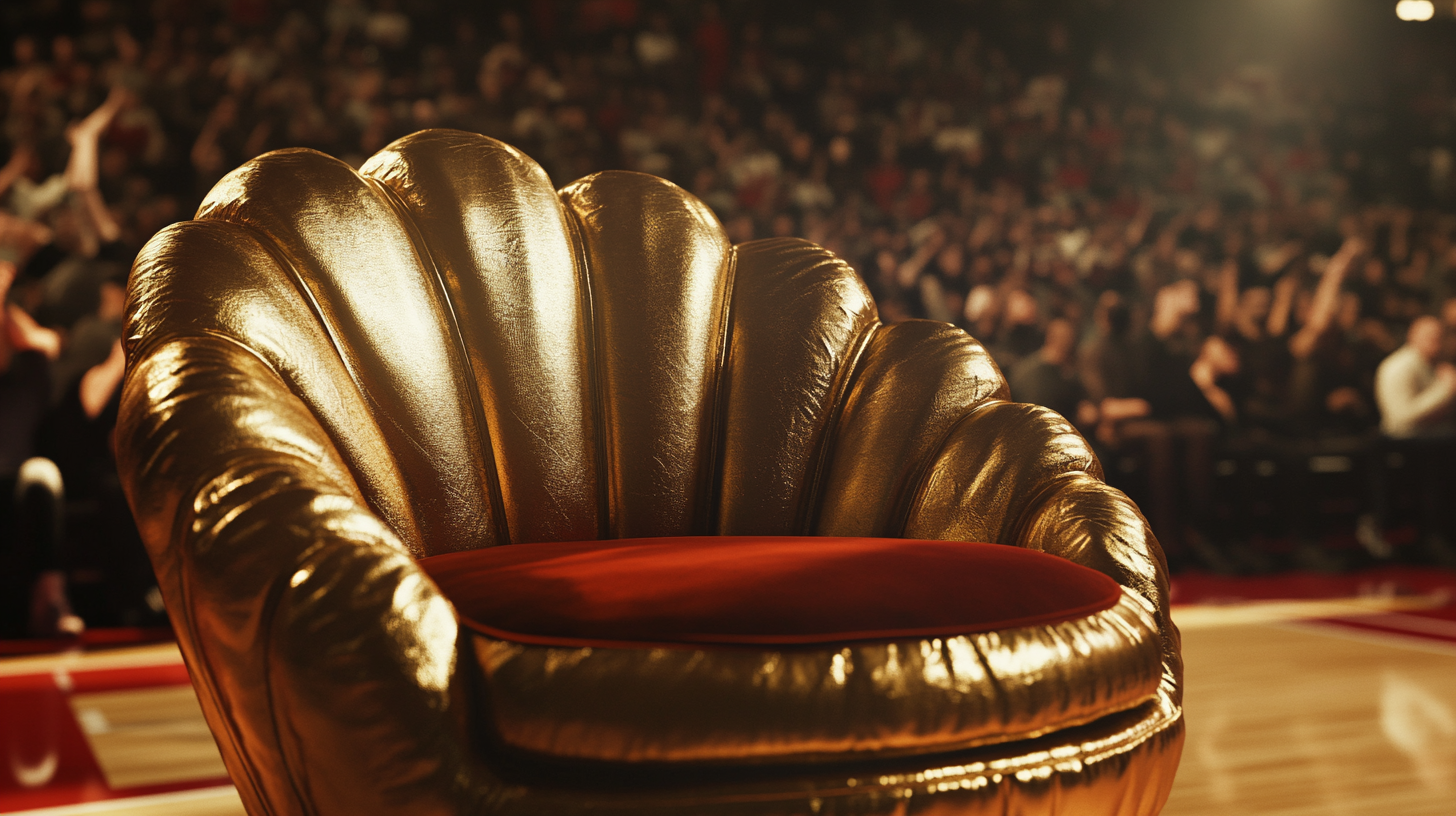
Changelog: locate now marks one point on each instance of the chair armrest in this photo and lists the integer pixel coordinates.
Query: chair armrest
(324, 659)
(1022, 475)
(1084, 520)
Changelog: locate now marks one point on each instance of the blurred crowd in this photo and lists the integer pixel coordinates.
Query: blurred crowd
(1201, 265)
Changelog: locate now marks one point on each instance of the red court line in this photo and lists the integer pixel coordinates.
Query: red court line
(1412, 625)
(1434, 624)
(1197, 587)
(106, 638)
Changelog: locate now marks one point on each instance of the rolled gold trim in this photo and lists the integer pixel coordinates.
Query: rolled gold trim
(830, 703)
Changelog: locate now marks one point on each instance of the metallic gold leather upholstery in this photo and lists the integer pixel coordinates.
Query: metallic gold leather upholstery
(332, 373)
(820, 704)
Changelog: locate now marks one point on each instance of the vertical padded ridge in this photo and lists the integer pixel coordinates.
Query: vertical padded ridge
(914, 381)
(199, 278)
(375, 296)
(658, 264)
(499, 239)
(993, 466)
(799, 313)
(454, 331)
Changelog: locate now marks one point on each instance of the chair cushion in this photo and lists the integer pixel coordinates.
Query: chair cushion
(738, 649)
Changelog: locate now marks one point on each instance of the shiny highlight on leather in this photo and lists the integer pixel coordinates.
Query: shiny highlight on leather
(332, 373)
(499, 237)
(1085, 521)
(210, 278)
(1122, 765)
(991, 467)
(383, 309)
(320, 652)
(659, 270)
(800, 317)
(916, 380)
(830, 703)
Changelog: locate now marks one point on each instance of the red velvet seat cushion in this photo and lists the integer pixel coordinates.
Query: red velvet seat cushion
(761, 590)
(791, 649)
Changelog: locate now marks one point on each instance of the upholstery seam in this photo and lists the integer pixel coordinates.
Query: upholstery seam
(270, 246)
(919, 481)
(846, 378)
(1039, 500)
(709, 500)
(432, 270)
(270, 612)
(606, 486)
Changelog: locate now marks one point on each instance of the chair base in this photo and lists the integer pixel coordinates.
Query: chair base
(1121, 765)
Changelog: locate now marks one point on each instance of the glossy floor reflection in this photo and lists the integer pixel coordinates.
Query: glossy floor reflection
(1299, 719)
(1288, 715)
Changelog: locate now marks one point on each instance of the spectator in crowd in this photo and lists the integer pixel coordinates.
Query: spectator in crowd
(1416, 390)
(32, 583)
(1049, 376)
(45, 368)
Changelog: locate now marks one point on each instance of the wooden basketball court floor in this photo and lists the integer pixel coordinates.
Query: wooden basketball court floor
(1338, 707)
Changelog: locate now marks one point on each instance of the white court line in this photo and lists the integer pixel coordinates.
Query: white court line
(1211, 616)
(135, 802)
(158, 654)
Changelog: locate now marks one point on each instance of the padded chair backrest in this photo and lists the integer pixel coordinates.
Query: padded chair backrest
(499, 362)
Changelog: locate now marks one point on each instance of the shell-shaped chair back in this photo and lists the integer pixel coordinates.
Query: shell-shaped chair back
(498, 362)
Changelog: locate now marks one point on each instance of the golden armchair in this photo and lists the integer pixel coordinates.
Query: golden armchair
(333, 374)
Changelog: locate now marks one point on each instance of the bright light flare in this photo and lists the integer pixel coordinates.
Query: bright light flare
(1415, 10)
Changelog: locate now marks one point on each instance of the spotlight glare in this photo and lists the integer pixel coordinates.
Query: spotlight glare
(1415, 9)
